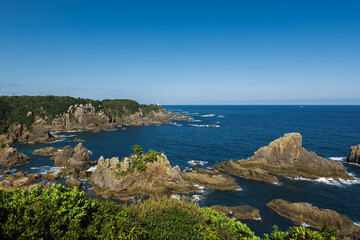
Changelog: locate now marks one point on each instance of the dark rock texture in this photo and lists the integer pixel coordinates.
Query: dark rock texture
(158, 178)
(11, 157)
(242, 212)
(77, 158)
(210, 179)
(315, 217)
(44, 151)
(354, 155)
(285, 156)
(21, 181)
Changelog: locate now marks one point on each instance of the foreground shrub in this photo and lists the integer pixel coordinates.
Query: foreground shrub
(66, 213)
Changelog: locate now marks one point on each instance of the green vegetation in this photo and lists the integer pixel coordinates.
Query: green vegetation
(138, 160)
(300, 232)
(2, 143)
(120, 107)
(65, 213)
(23, 109)
(146, 109)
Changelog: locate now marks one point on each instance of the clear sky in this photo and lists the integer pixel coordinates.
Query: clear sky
(184, 51)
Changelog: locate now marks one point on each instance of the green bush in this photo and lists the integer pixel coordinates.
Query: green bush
(138, 160)
(66, 213)
(2, 143)
(299, 232)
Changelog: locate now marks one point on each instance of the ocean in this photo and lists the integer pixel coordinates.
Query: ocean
(329, 131)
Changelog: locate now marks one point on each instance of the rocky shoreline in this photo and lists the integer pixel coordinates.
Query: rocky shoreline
(150, 174)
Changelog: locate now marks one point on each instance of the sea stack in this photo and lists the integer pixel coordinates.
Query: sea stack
(354, 155)
(285, 156)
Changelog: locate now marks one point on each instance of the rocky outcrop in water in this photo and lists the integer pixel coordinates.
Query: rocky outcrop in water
(285, 156)
(305, 213)
(210, 179)
(77, 158)
(242, 212)
(11, 157)
(354, 155)
(44, 151)
(21, 181)
(114, 178)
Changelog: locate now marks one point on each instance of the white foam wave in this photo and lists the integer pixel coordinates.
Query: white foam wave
(197, 197)
(331, 181)
(337, 158)
(91, 152)
(239, 190)
(221, 116)
(277, 183)
(305, 225)
(178, 124)
(209, 115)
(60, 140)
(194, 120)
(92, 169)
(176, 196)
(198, 186)
(357, 223)
(44, 169)
(197, 163)
(203, 125)
(257, 219)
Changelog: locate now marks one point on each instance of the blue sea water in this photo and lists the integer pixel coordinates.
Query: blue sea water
(327, 130)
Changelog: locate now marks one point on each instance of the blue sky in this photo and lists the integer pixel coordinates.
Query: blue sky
(183, 52)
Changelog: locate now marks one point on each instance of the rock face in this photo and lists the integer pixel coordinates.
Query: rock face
(44, 151)
(20, 181)
(242, 212)
(11, 157)
(80, 117)
(210, 179)
(73, 181)
(354, 155)
(315, 217)
(77, 158)
(285, 156)
(158, 178)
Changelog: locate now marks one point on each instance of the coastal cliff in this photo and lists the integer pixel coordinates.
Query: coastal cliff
(32, 118)
(285, 156)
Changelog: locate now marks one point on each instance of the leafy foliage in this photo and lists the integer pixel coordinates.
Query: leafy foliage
(120, 107)
(66, 213)
(2, 143)
(138, 160)
(299, 232)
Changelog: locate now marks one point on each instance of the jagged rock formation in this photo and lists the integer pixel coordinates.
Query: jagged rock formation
(305, 213)
(77, 158)
(64, 114)
(20, 181)
(210, 179)
(151, 174)
(354, 155)
(153, 118)
(82, 117)
(39, 132)
(44, 151)
(285, 156)
(11, 157)
(242, 212)
(158, 178)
